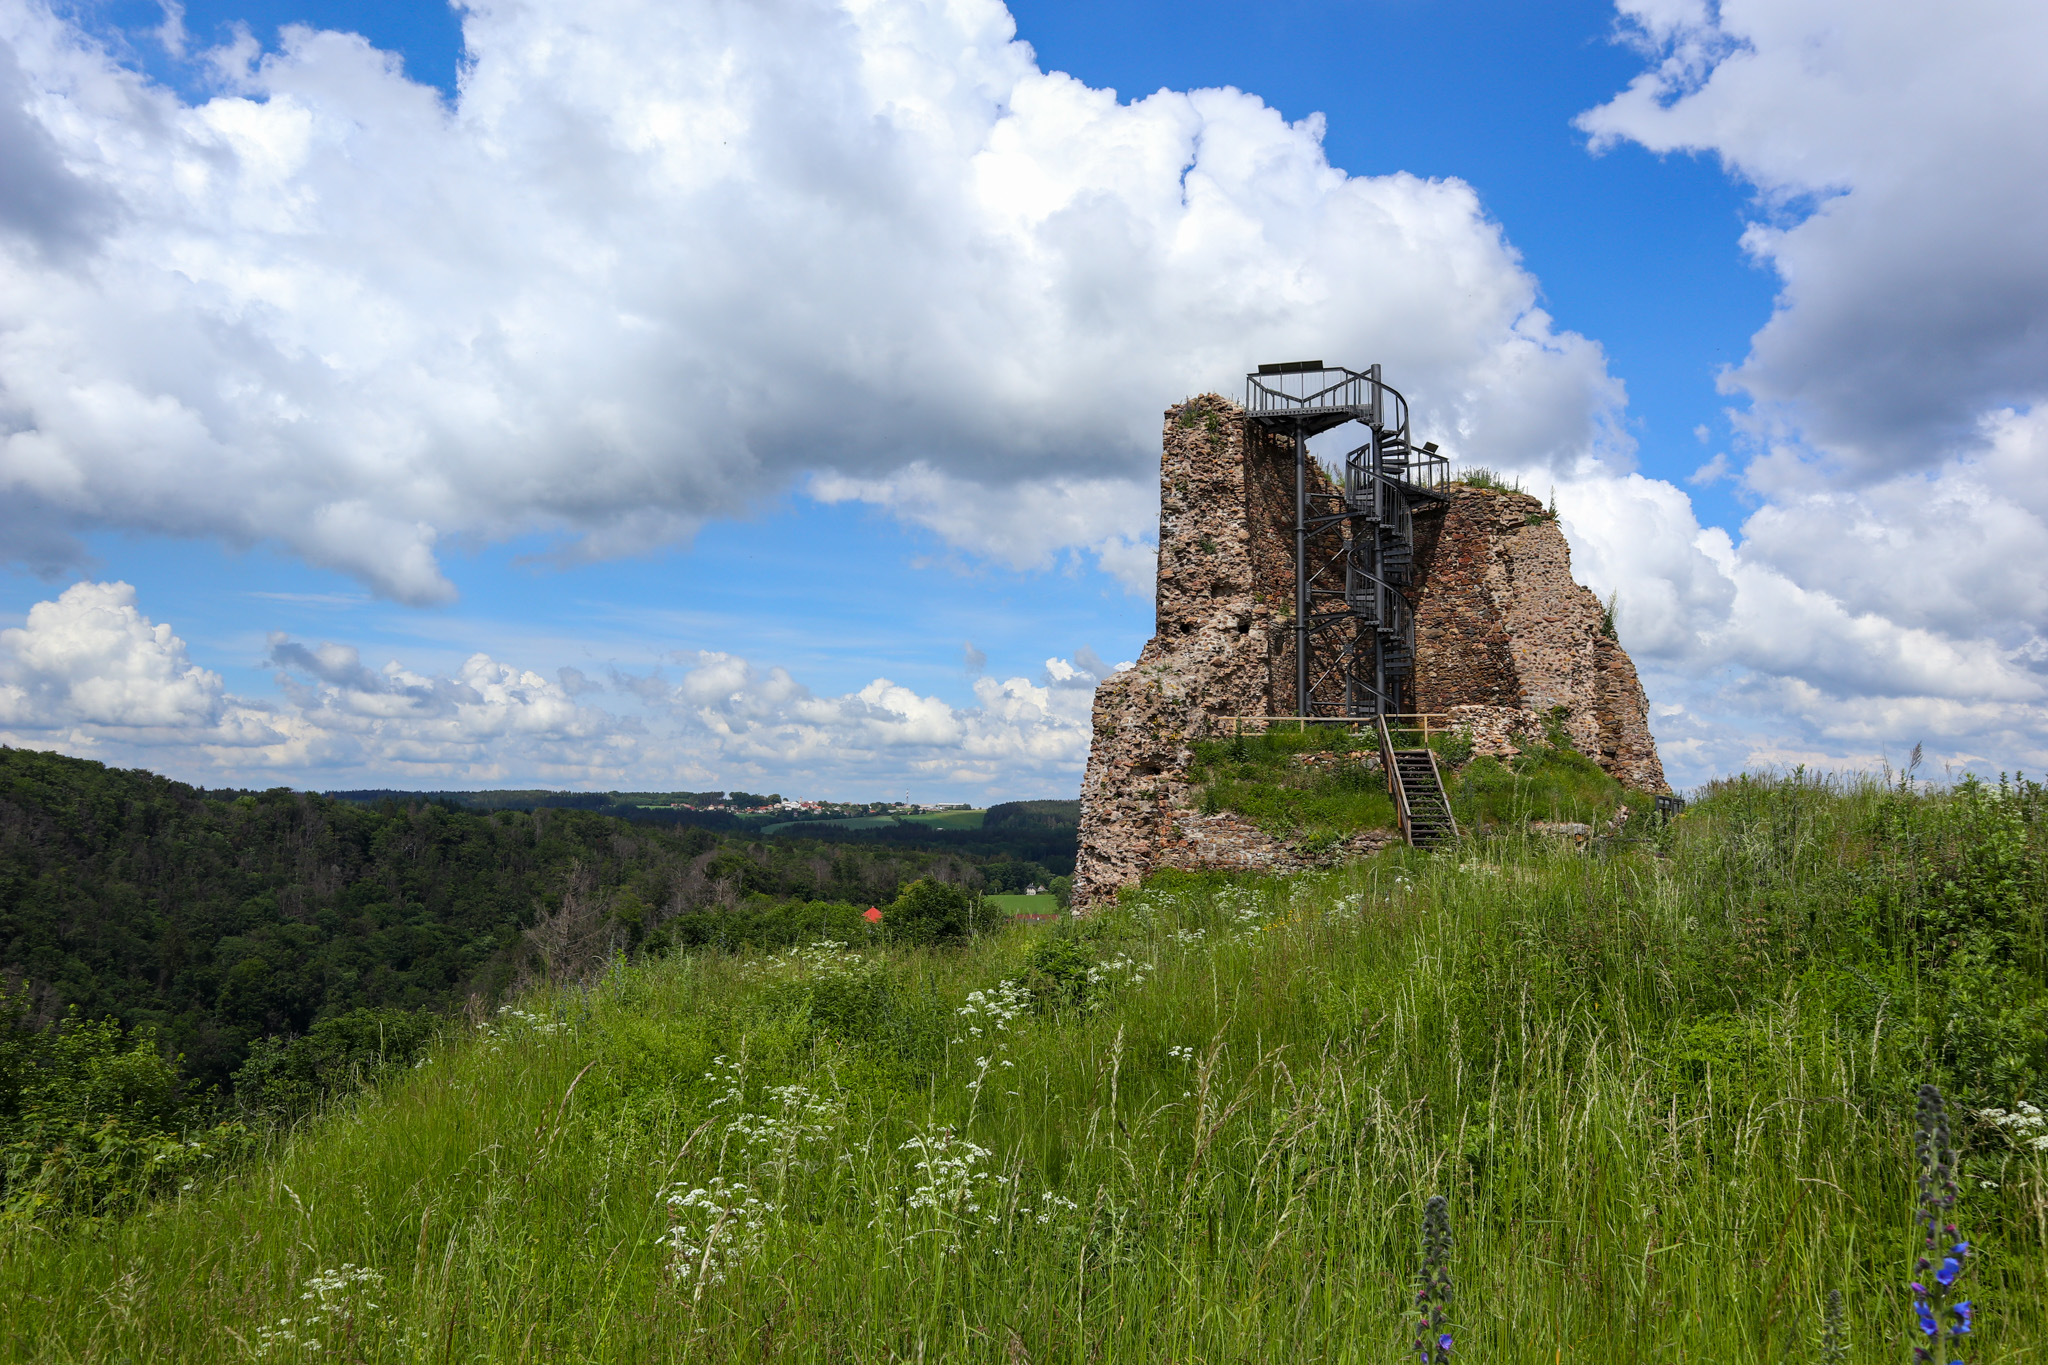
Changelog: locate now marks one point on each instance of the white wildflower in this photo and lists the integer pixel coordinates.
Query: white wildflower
(802, 1119)
(332, 1299)
(714, 1229)
(998, 1007)
(825, 957)
(948, 1168)
(510, 1016)
(2026, 1123)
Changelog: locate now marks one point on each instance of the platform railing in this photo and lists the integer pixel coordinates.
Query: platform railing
(1304, 389)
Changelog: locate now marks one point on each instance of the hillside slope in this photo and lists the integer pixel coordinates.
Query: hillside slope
(220, 918)
(1667, 1093)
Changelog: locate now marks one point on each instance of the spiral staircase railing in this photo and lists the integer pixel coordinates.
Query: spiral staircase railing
(1354, 534)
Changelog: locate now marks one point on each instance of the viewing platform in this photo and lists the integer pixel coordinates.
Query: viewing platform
(1307, 397)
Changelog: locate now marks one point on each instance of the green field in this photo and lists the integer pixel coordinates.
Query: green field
(1026, 905)
(1667, 1093)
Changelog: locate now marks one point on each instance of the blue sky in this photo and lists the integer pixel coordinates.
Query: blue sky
(986, 556)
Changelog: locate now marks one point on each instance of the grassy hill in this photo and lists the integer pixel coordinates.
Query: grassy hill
(1667, 1093)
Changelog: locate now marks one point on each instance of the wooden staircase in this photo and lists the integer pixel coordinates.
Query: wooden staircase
(1417, 786)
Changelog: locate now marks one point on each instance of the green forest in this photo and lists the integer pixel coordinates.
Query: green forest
(217, 919)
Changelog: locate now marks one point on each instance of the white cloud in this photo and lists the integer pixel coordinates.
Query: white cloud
(765, 722)
(1889, 587)
(90, 674)
(658, 261)
(91, 659)
(1904, 181)
(1803, 643)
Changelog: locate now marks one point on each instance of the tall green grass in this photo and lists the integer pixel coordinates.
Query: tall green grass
(1667, 1093)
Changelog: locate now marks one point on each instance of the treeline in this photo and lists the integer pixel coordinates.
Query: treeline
(1009, 857)
(1033, 815)
(95, 1121)
(605, 802)
(725, 811)
(215, 920)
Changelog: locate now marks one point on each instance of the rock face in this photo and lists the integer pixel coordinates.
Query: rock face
(1503, 635)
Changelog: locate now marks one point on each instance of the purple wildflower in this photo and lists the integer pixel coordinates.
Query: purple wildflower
(1937, 1193)
(1433, 1296)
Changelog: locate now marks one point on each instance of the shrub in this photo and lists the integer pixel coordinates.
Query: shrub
(287, 1077)
(1453, 748)
(92, 1122)
(1056, 971)
(763, 924)
(929, 912)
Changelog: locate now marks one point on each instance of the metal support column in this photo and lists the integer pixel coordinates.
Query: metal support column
(1301, 595)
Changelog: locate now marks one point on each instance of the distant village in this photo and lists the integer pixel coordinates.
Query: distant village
(775, 803)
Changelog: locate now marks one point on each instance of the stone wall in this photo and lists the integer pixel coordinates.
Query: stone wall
(1500, 622)
(1503, 634)
(1226, 581)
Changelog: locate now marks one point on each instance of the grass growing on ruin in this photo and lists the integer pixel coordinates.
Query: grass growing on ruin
(1315, 783)
(1666, 1092)
(1552, 784)
(1307, 784)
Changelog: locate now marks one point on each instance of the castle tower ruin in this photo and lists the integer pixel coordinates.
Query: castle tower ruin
(1503, 637)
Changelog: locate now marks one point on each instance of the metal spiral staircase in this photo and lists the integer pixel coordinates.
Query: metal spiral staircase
(1354, 535)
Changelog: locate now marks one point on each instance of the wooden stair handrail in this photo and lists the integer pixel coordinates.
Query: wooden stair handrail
(1395, 787)
(1444, 792)
(1398, 786)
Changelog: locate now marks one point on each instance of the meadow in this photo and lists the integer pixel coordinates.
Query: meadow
(1666, 1090)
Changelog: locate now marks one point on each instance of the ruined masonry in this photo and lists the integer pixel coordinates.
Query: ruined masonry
(1503, 635)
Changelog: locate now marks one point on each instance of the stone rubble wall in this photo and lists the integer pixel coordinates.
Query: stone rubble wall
(1503, 634)
(1218, 616)
(1501, 623)
(1498, 731)
(1227, 841)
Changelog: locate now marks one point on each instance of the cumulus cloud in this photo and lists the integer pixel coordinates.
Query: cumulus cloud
(765, 721)
(1806, 641)
(1903, 181)
(89, 673)
(91, 659)
(1889, 587)
(658, 261)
